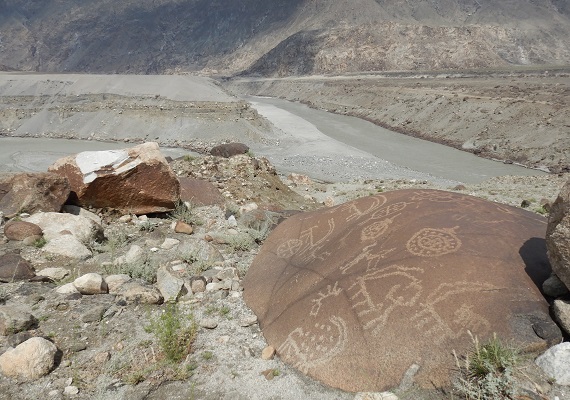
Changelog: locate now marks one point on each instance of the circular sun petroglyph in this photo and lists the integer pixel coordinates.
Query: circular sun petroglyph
(431, 242)
(289, 248)
(375, 230)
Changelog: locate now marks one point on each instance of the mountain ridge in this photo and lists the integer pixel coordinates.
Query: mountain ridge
(285, 37)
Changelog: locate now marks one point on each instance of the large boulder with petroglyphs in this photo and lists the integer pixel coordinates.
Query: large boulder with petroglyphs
(359, 294)
(136, 180)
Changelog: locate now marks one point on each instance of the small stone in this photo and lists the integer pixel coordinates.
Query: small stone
(198, 284)
(31, 240)
(561, 311)
(70, 390)
(227, 273)
(554, 287)
(248, 321)
(269, 374)
(56, 274)
(14, 320)
(236, 286)
(169, 244)
(232, 222)
(94, 314)
(68, 288)
(170, 286)
(375, 396)
(555, 363)
(183, 227)
(53, 393)
(102, 357)
(114, 282)
(67, 246)
(135, 292)
(125, 218)
(213, 286)
(208, 323)
(154, 249)
(91, 283)
(268, 353)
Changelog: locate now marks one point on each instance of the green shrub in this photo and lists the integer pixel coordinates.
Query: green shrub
(145, 269)
(184, 211)
(175, 333)
(486, 373)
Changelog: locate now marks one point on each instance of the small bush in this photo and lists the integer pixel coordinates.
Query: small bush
(487, 371)
(240, 242)
(39, 243)
(145, 270)
(174, 336)
(184, 211)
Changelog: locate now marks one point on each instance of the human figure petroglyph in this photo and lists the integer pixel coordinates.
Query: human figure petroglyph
(309, 349)
(430, 242)
(442, 197)
(331, 291)
(309, 244)
(374, 308)
(432, 323)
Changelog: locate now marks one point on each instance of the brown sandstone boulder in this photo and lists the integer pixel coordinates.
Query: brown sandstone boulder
(136, 180)
(15, 268)
(199, 192)
(558, 235)
(356, 294)
(19, 230)
(228, 150)
(28, 192)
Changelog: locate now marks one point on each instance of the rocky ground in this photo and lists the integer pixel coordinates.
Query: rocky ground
(108, 348)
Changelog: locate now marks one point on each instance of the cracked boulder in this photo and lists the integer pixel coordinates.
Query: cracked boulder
(355, 295)
(137, 180)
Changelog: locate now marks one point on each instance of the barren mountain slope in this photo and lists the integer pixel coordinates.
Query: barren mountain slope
(280, 37)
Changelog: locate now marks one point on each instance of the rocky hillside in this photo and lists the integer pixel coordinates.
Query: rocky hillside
(280, 37)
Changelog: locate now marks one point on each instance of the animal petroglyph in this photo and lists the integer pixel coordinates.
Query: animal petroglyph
(433, 323)
(308, 349)
(318, 302)
(357, 211)
(430, 242)
(374, 308)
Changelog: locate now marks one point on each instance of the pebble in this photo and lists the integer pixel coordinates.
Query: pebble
(268, 353)
(248, 321)
(208, 323)
(71, 390)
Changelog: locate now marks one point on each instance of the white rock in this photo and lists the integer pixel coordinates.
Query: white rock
(91, 283)
(114, 282)
(52, 224)
(232, 222)
(29, 360)
(125, 218)
(67, 246)
(56, 274)
(169, 244)
(71, 390)
(68, 288)
(75, 210)
(375, 396)
(555, 363)
(134, 255)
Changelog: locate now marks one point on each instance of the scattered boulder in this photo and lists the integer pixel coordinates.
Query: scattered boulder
(32, 192)
(228, 150)
(71, 209)
(55, 274)
(68, 288)
(183, 227)
(554, 287)
(199, 192)
(171, 287)
(139, 293)
(134, 255)
(20, 230)
(199, 250)
(55, 224)
(558, 235)
(114, 282)
(14, 320)
(555, 363)
(15, 268)
(136, 180)
(67, 246)
(397, 279)
(90, 283)
(29, 360)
